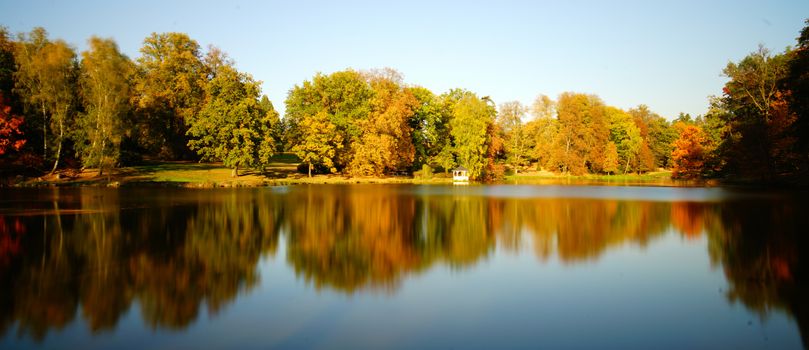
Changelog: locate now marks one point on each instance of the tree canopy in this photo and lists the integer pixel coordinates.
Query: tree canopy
(178, 101)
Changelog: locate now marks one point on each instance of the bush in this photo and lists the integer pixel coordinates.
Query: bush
(426, 172)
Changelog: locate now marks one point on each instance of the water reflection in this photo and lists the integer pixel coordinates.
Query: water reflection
(94, 253)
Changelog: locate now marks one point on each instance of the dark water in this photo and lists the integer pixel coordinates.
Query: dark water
(403, 267)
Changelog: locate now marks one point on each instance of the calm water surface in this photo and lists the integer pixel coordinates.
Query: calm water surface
(405, 266)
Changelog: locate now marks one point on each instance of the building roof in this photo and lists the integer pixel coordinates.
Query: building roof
(460, 168)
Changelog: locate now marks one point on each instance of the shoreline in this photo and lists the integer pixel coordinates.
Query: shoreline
(213, 175)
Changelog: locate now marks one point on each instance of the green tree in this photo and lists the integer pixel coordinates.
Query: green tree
(470, 127)
(232, 126)
(169, 92)
(430, 125)
(46, 81)
(274, 127)
(343, 97)
(105, 81)
(625, 135)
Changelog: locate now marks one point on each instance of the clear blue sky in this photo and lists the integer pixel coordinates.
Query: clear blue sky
(666, 54)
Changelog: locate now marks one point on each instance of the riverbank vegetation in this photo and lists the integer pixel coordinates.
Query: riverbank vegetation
(102, 110)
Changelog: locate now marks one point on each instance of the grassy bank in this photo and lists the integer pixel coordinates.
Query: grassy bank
(283, 171)
(192, 174)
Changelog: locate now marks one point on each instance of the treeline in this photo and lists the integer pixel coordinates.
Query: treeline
(758, 129)
(102, 109)
(179, 102)
(369, 124)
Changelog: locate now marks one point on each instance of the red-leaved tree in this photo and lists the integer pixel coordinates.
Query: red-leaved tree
(10, 133)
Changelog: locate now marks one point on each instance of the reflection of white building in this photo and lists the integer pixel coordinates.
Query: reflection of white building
(460, 174)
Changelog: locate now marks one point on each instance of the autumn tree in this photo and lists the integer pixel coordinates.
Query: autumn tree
(689, 154)
(232, 127)
(470, 128)
(46, 81)
(11, 136)
(343, 97)
(11, 133)
(583, 134)
(796, 92)
(105, 80)
(541, 131)
(658, 136)
(625, 136)
(611, 158)
(318, 141)
(760, 146)
(509, 120)
(169, 92)
(386, 143)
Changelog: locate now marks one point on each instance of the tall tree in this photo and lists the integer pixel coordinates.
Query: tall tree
(46, 81)
(690, 152)
(625, 135)
(430, 124)
(105, 80)
(583, 133)
(470, 128)
(386, 143)
(658, 136)
(541, 132)
(344, 97)
(509, 119)
(169, 92)
(760, 122)
(273, 128)
(11, 124)
(796, 86)
(232, 127)
(7, 64)
(543, 107)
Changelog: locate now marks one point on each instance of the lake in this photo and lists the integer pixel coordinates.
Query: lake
(403, 266)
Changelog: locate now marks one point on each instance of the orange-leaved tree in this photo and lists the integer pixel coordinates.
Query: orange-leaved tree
(690, 152)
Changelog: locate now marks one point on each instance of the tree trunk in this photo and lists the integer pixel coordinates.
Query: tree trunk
(44, 133)
(59, 147)
(626, 168)
(235, 172)
(310, 169)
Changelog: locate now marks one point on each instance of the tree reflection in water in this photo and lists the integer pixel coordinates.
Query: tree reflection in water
(97, 251)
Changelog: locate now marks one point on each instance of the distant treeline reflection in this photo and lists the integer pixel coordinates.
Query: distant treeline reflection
(94, 252)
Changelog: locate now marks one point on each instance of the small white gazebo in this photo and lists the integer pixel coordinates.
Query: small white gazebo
(460, 174)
